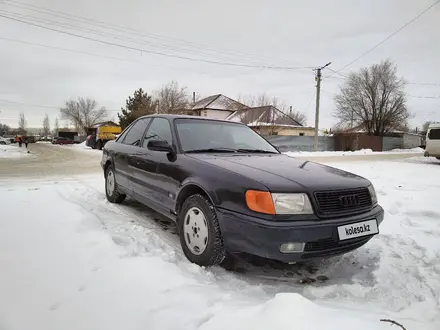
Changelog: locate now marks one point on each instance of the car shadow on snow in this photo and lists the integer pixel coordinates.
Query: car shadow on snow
(422, 160)
(354, 267)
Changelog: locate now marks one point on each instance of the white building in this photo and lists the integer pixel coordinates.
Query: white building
(217, 107)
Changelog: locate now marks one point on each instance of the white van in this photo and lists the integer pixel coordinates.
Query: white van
(433, 141)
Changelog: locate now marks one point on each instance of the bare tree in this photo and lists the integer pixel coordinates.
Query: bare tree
(83, 113)
(56, 127)
(426, 125)
(263, 99)
(171, 97)
(46, 125)
(22, 122)
(4, 129)
(373, 98)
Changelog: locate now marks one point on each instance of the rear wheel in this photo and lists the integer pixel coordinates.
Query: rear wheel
(111, 188)
(199, 231)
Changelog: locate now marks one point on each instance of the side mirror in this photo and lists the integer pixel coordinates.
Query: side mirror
(159, 145)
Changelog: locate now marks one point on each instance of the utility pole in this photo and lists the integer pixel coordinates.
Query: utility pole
(318, 95)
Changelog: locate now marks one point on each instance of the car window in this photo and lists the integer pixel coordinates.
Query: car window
(159, 130)
(196, 134)
(434, 134)
(122, 136)
(134, 135)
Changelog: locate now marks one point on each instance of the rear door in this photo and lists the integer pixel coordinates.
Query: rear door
(433, 142)
(123, 154)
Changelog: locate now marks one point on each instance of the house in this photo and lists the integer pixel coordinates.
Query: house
(104, 123)
(268, 120)
(217, 106)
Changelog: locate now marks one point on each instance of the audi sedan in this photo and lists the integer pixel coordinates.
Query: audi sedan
(231, 191)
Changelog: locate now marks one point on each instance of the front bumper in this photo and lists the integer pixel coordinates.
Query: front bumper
(263, 238)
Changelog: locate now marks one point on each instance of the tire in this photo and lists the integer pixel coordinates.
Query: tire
(112, 193)
(3, 143)
(203, 252)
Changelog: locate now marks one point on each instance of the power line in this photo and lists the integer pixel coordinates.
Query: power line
(29, 104)
(88, 20)
(100, 55)
(425, 84)
(153, 52)
(136, 40)
(389, 37)
(410, 83)
(336, 72)
(40, 105)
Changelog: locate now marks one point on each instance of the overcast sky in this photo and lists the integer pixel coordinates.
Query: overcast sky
(291, 33)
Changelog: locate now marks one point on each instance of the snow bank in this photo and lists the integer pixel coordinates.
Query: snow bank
(366, 152)
(81, 147)
(63, 271)
(13, 151)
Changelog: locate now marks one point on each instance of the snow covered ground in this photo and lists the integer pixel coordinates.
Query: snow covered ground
(13, 151)
(70, 260)
(362, 152)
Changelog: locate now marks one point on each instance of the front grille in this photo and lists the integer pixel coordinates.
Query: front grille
(343, 201)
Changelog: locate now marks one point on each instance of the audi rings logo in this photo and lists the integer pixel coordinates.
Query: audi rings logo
(349, 200)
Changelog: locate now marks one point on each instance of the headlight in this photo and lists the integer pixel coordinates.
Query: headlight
(372, 194)
(278, 203)
(292, 204)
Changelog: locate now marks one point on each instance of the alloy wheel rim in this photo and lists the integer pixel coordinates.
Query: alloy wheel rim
(110, 183)
(195, 229)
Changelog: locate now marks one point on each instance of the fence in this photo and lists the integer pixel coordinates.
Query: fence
(331, 143)
(301, 143)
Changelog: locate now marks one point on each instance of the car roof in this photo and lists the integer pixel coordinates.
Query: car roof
(434, 125)
(172, 117)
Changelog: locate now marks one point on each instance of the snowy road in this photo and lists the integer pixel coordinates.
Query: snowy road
(71, 260)
(49, 160)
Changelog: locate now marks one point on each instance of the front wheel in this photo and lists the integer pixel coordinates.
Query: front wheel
(199, 231)
(111, 188)
(3, 143)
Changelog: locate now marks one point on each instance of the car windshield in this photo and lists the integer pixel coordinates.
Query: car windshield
(198, 135)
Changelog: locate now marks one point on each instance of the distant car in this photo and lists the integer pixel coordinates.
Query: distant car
(432, 148)
(4, 141)
(231, 191)
(62, 140)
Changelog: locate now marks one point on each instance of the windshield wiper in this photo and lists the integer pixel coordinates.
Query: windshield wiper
(212, 150)
(257, 151)
(241, 150)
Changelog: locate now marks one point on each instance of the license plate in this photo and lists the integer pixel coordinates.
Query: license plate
(358, 229)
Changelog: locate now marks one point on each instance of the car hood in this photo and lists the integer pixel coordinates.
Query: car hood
(282, 173)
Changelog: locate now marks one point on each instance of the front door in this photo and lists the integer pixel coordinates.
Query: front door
(149, 178)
